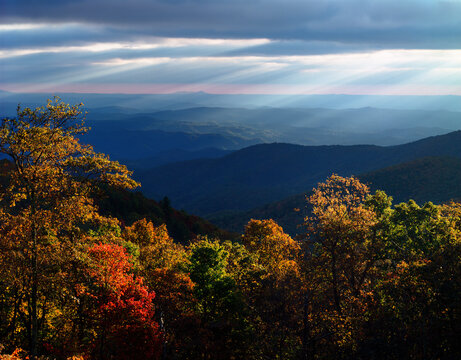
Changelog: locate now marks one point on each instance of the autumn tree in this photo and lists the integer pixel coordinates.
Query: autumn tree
(274, 248)
(382, 279)
(47, 196)
(343, 245)
(162, 265)
(121, 308)
(276, 292)
(157, 248)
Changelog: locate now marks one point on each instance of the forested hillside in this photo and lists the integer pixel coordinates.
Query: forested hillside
(129, 207)
(435, 179)
(265, 173)
(86, 276)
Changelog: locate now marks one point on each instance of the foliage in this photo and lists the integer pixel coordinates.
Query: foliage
(46, 199)
(129, 207)
(121, 307)
(276, 291)
(342, 242)
(378, 274)
(219, 302)
(161, 263)
(275, 249)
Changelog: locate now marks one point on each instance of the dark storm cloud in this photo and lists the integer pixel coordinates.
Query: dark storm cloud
(355, 23)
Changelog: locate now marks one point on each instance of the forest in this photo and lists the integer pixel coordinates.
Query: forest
(366, 279)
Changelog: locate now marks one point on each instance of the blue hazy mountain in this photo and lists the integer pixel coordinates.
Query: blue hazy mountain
(182, 100)
(140, 127)
(143, 135)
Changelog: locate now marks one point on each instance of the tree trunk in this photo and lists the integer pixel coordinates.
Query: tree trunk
(335, 282)
(306, 330)
(34, 293)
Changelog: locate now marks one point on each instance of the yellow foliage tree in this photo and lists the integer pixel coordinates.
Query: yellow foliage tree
(275, 249)
(342, 248)
(48, 194)
(157, 248)
(276, 293)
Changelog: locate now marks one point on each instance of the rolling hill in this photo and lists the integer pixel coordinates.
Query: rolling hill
(265, 173)
(182, 100)
(128, 132)
(435, 179)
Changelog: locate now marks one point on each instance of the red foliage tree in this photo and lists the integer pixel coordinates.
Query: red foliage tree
(122, 307)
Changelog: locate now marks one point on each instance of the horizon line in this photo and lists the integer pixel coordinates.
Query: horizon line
(171, 91)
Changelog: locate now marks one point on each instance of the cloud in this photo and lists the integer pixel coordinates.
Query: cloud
(110, 64)
(222, 45)
(428, 24)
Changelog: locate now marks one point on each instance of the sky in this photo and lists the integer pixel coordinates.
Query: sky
(374, 47)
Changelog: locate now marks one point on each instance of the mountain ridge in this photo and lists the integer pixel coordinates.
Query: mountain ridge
(434, 179)
(264, 173)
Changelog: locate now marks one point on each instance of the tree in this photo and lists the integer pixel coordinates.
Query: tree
(276, 294)
(418, 308)
(157, 248)
(275, 249)
(343, 245)
(161, 263)
(122, 308)
(218, 301)
(47, 197)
